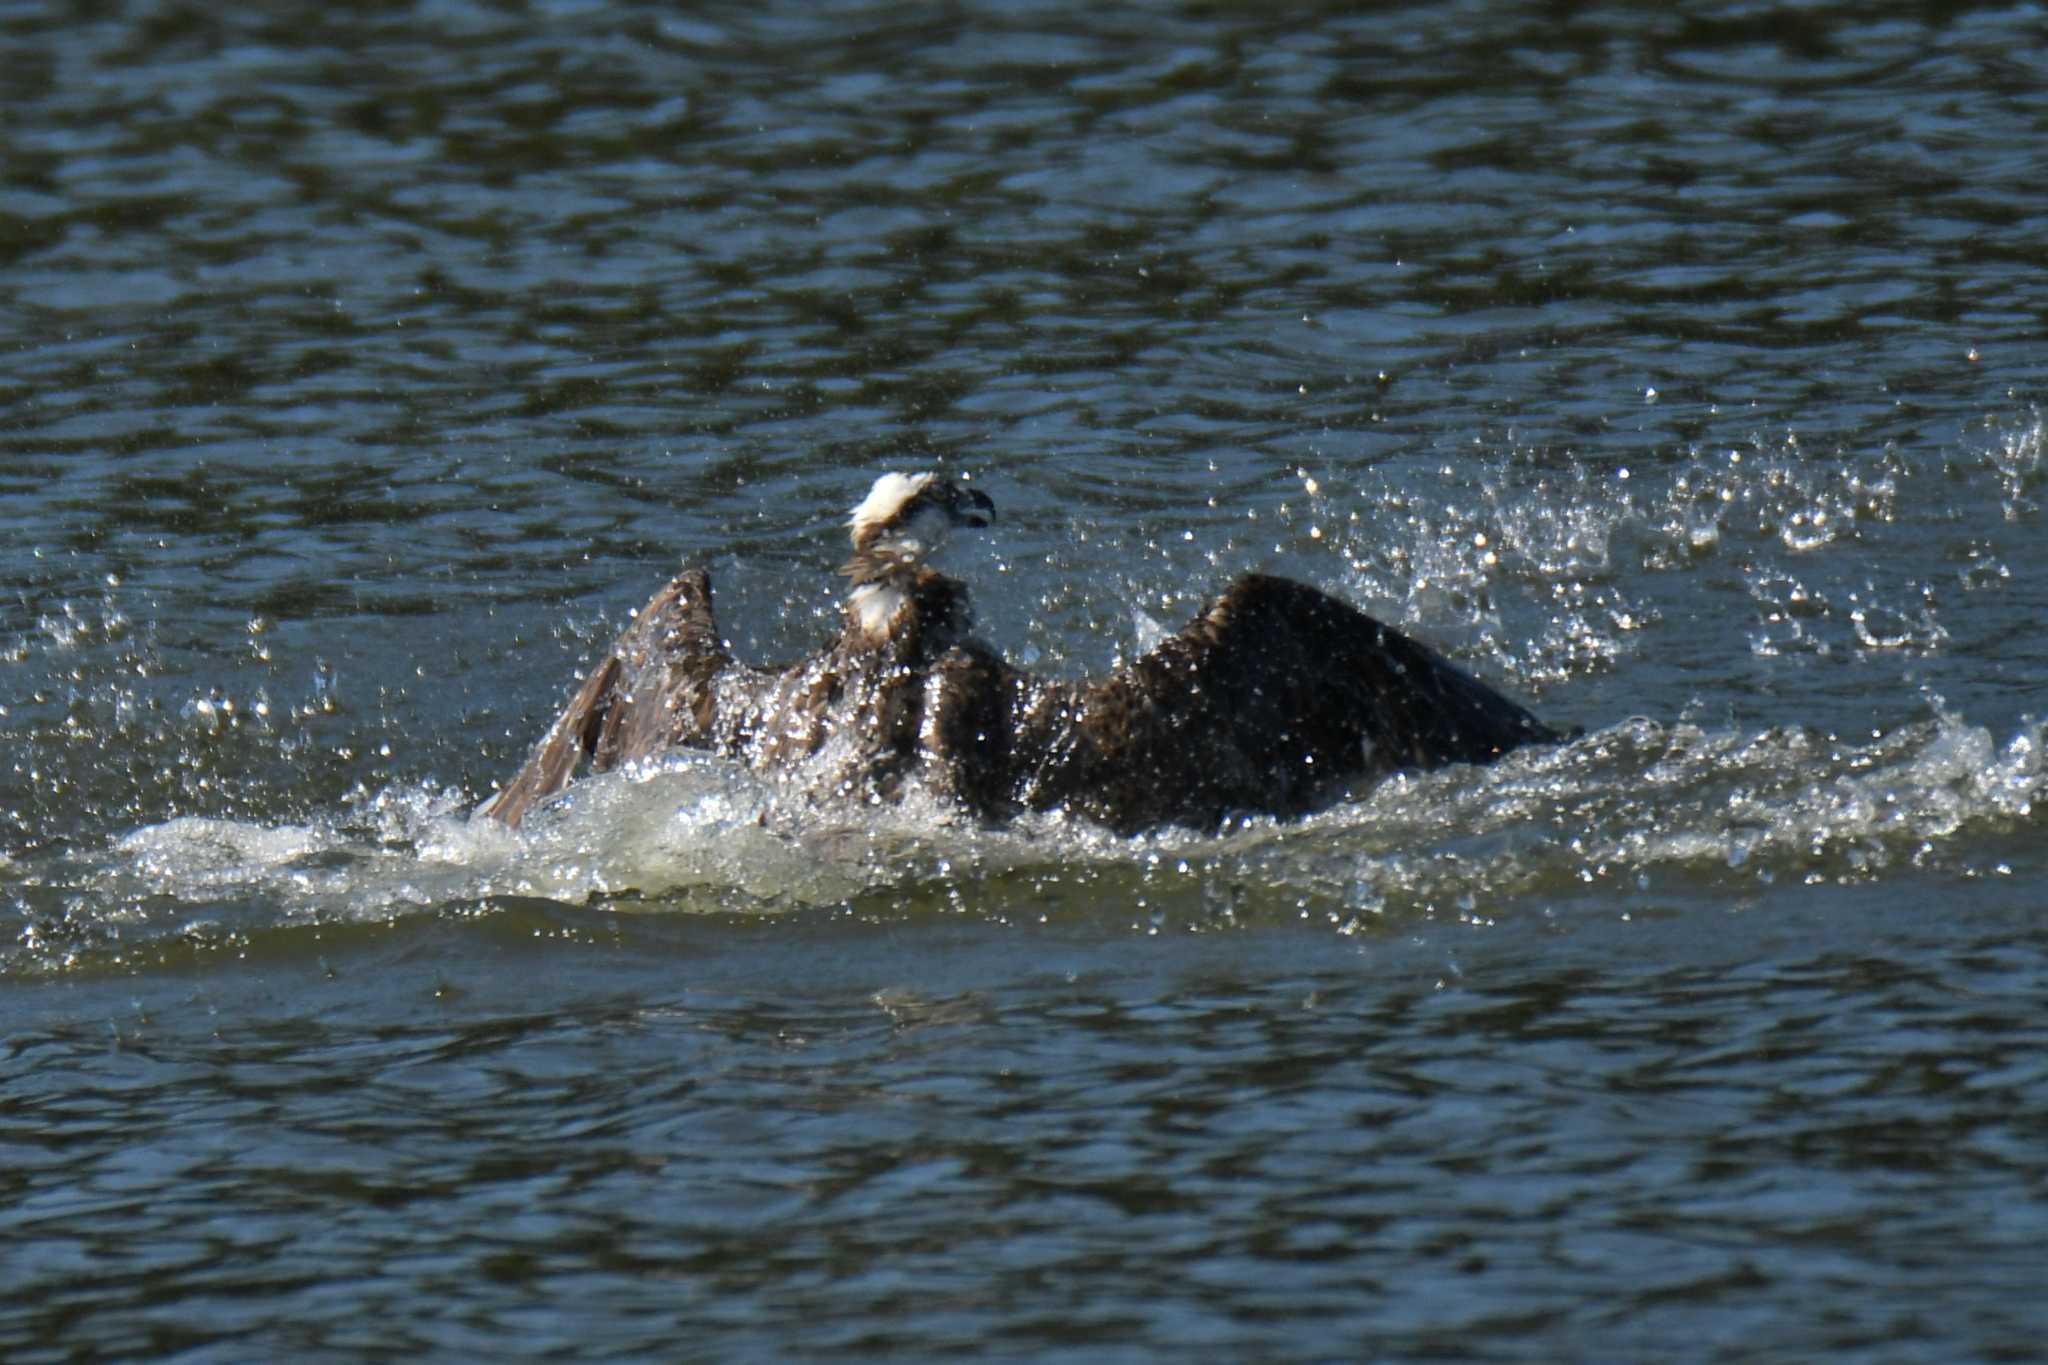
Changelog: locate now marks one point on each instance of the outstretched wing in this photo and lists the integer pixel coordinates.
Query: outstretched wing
(1274, 699)
(650, 691)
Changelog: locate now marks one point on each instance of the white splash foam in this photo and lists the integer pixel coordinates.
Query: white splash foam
(1639, 802)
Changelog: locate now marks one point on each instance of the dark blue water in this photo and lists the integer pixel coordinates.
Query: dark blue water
(1679, 373)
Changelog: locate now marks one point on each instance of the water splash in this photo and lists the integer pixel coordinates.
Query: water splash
(2016, 457)
(1685, 810)
(1541, 569)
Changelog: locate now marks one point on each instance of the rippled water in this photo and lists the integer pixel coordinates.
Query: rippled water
(364, 370)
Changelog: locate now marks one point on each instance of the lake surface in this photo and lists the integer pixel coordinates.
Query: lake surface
(364, 369)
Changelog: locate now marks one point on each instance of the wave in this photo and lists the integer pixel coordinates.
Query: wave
(1647, 809)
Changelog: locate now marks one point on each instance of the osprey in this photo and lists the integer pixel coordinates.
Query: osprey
(1275, 699)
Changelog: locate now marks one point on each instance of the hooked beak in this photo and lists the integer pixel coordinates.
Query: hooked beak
(971, 507)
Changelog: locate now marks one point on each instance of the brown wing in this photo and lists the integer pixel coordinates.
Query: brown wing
(1273, 700)
(965, 736)
(652, 690)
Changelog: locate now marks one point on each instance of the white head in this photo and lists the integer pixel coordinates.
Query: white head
(905, 517)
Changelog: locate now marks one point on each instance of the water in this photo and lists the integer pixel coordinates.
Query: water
(1680, 373)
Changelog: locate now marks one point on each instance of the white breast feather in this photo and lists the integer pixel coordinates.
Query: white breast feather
(874, 606)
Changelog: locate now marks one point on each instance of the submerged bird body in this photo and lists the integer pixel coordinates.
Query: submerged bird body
(1276, 699)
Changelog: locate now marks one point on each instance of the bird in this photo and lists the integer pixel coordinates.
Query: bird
(1276, 699)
